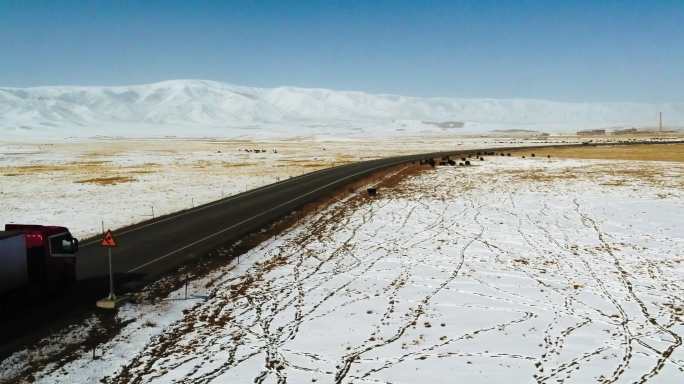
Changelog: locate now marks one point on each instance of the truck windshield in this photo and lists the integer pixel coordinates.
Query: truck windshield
(62, 244)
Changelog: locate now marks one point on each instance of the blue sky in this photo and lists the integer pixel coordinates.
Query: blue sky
(577, 51)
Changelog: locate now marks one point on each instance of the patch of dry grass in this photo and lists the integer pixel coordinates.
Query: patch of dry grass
(143, 169)
(645, 152)
(227, 164)
(541, 175)
(113, 180)
(617, 174)
(78, 169)
(317, 163)
(76, 166)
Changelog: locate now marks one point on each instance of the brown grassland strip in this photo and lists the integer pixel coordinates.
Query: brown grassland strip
(646, 152)
(540, 175)
(228, 164)
(82, 166)
(107, 180)
(621, 174)
(77, 168)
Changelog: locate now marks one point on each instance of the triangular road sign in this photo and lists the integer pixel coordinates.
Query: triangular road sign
(108, 239)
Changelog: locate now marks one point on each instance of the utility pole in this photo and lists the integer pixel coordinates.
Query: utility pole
(660, 121)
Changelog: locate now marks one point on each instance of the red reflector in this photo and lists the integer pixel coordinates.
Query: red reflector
(34, 240)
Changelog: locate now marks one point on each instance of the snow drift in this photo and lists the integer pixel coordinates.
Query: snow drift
(209, 108)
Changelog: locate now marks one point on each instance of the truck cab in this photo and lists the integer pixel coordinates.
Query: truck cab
(50, 255)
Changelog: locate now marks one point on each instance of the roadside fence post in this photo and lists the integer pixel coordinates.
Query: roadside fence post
(186, 286)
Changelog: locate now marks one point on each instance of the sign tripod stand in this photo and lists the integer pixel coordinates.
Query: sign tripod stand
(111, 301)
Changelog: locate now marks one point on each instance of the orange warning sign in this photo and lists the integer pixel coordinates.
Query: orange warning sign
(108, 240)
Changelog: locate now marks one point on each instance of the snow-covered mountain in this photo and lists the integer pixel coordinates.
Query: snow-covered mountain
(209, 108)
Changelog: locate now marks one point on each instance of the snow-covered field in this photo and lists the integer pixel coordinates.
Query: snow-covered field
(510, 271)
(83, 183)
(200, 108)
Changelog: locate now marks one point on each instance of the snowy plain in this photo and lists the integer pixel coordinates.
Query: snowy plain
(512, 270)
(86, 184)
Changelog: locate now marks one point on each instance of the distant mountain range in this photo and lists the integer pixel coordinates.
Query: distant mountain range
(207, 108)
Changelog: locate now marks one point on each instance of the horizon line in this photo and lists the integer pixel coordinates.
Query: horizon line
(75, 86)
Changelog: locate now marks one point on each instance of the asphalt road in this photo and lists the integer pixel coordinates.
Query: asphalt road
(151, 248)
(146, 250)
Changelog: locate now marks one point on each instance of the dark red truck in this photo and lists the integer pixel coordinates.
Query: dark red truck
(36, 257)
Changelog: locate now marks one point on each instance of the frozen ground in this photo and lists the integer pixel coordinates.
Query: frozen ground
(81, 183)
(510, 271)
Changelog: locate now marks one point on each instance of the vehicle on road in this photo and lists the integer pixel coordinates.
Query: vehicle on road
(36, 258)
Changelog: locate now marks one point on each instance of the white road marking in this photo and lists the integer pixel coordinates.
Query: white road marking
(209, 205)
(259, 215)
(201, 208)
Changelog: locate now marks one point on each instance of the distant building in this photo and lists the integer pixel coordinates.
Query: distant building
(592, 132)
(625, 131)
